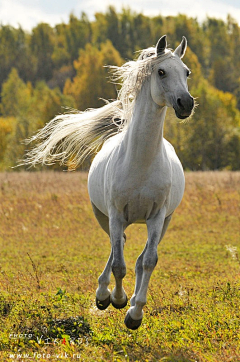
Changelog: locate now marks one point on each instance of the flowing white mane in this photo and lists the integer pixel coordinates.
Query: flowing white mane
(73, 137)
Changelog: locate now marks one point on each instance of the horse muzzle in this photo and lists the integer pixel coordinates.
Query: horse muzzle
(184, 106)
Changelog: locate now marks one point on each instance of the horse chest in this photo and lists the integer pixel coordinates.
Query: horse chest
(139, 194)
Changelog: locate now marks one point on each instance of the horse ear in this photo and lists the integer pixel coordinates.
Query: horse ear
(161, 45)
(180, 50)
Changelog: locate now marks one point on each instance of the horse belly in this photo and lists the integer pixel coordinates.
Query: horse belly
(176, 193)
(138, 212)
(177, 183)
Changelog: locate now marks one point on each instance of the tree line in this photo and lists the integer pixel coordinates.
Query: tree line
(51, 69)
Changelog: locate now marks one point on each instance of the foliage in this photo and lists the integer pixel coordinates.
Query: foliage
(206, 140)
(7, 125)
(25, 109)
(66, 65)
(90, 80)
(50, 238)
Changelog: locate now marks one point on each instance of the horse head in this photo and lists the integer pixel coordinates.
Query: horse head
(169, 79)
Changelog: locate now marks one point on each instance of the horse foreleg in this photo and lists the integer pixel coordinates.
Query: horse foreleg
(138, 273)
(139, 263)
(118, 296)
(144, 268)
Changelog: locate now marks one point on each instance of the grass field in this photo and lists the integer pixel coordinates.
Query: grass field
(52, 252)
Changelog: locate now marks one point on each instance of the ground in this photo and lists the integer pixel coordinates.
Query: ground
(53, 250)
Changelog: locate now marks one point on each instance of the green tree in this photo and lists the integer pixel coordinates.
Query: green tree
(48, 103)
(113, 33)
(15, 95)
(99, 29)
(42, 46)
(61, 56)
(78, 33)
(142, 30)
(211, 129)
(15, 52)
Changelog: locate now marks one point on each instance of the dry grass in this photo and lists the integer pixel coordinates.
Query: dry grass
(52, 251)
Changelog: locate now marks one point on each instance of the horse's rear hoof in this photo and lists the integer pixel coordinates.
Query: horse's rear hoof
(103, 304)
(132, 323)
(119, 306)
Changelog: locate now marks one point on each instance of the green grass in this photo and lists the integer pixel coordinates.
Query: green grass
(52, 252)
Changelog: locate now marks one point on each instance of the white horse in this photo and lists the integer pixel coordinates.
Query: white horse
(136, 177)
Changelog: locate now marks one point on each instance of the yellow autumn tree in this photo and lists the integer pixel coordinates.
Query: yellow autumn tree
(91, 83)
(7, 125)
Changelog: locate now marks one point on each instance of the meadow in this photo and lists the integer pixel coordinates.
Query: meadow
(52, 252)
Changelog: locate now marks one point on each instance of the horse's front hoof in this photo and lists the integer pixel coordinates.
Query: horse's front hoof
(120, 306)
(103, 304)
(132, 323)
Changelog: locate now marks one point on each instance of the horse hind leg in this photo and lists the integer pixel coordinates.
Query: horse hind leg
(103, 294)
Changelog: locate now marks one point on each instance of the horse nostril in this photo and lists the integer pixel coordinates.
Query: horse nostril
(192, 101)
(179, 102)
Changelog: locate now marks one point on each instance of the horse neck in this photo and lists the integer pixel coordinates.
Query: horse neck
(144, 137)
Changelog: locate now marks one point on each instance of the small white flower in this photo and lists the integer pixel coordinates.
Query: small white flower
(24, 228)
(233, 251)
(182, 293)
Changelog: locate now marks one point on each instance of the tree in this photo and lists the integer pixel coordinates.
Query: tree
(61, 56)
(211, 129)
(78, 34)
(90, 83)
(42, 46)
(50, 67)
(47, 103)
(26, 109)
(7, 125)
(15, 52)
(142, 30)
(16, 95)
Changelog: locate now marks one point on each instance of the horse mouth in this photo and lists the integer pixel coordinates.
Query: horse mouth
(182, 116)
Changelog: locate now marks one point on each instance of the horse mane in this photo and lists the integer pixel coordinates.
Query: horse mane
(132, 75)
(70, 138)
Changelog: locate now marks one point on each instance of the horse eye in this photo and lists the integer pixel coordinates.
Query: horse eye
(188, 72)
(161, 72)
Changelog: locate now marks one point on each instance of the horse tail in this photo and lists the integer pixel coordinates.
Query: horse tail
(73, 137)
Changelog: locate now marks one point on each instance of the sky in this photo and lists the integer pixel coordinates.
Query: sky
(28, 13)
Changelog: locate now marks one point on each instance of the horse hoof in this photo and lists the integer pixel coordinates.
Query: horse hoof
(103, 304)
(132, 323)
(119, 306)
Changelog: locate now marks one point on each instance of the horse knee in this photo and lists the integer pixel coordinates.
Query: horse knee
(119, 269)
(150, 261)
